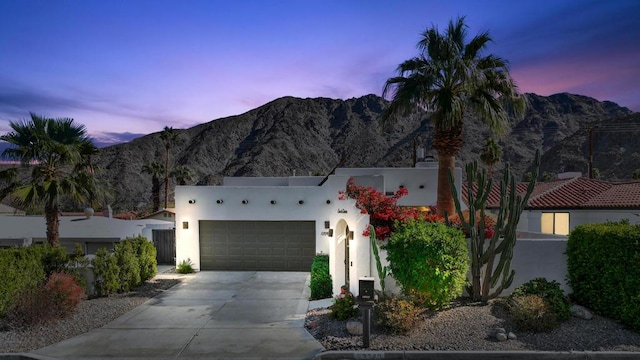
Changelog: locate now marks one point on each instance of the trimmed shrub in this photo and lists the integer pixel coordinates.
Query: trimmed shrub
(65, 291)
(532, 313)
(185, 267)
(106, 272)
(429, 260)
(20, 269)
(344, 308)
(54, 259)
(603, 264)
(32, 306)
(146, 257)
(550, 292)
(321, 284)
(397, 314)
(128, 264)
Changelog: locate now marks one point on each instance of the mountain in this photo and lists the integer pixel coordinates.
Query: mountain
(302, 136)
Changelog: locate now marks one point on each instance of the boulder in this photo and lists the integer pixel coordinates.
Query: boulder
(501, 337)
(354, 327)
(512, 336)
(581, 312)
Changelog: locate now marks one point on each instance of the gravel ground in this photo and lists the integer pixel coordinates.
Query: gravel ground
(469, 327)
(89, 315)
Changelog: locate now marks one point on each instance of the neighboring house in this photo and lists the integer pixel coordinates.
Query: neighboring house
(10, 211)
(163, 214)
(91, 232)
(280, 223)
(558, 206)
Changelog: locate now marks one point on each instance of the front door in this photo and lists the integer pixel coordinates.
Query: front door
(347, 262)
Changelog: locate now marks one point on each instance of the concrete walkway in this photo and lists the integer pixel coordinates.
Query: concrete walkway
(213, 315)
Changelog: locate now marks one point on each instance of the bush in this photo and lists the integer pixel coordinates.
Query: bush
(65, 291)
(344, 308)
(185, 267)
(550, 292)
(397, 314)
(429, 260)
(129, 266)
(532, 313)
(54, 259)
(20, 269)
(32, 306)
(146, 257)
(321, 284)
(603, 265)
(106, 272)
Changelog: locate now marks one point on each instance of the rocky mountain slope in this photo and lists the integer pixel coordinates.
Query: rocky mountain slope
(302, 136)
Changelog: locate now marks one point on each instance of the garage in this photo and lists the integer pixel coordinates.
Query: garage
(257, 245)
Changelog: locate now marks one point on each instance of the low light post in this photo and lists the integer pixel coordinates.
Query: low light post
(366, 302)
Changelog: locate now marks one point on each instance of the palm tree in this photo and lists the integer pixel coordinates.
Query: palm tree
(183, 174)
(169, 137)
(58, 153)
(449, 78)
(491, 154)
(155, 169)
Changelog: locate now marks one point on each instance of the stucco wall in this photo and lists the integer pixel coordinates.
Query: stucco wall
(530, 219)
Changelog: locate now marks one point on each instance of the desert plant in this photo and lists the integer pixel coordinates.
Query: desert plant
(344, 308)
(32, 306)
(397, 314)
(129, 266)
(106, 271)
(320, 283)
(65, 291)
(429, 260)
(483, 255)
(532, 313)
(383, 271)
(185, 267)
(550, 291)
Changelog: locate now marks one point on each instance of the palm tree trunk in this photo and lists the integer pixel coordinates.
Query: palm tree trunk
(53, 225)
(445, 203)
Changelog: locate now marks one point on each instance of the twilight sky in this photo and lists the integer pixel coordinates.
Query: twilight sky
(129, 67)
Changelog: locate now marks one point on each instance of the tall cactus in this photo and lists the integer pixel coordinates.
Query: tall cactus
(483, 255)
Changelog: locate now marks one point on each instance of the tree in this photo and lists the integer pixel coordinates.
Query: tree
(449, 78)
(183, 174)
(491, 154)
(636, 174)
(58, 153)
(155, 169)
(169, 137)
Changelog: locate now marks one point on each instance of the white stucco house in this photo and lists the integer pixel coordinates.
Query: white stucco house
(280, 223)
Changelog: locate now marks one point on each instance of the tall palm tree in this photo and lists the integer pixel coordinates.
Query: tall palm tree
(155, 169)
(449, 78)
(491, 154)
(183, 174)
(169, 137)
(58, 153)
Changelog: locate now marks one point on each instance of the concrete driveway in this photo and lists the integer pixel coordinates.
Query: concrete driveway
(211, 314)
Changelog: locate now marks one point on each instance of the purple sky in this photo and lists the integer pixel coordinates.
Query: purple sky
(125, 68)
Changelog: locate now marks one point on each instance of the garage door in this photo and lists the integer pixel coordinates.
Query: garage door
(257, 245)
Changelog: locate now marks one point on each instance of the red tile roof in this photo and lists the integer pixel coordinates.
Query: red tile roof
(574, 193)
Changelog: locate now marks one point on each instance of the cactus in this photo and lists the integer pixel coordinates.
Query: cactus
(383, 271)
(483, 255)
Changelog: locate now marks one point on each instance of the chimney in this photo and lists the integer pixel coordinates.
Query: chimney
(107, 212)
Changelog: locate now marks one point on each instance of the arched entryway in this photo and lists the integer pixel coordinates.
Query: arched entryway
(342, 255)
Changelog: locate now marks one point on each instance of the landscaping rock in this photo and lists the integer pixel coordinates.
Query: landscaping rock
(500, 331)
(354, 327)
(501, 337)
(512, 336)
(581, 312)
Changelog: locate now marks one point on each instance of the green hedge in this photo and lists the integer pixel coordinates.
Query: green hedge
(321, 284)
(603, 264)
(20, 268)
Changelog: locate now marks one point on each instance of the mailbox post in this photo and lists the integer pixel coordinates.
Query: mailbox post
(366, 295)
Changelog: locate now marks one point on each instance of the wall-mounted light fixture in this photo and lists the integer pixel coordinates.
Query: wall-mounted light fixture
(327, 224)
(330, 232)
(245, 201)
(300, 202)
(192, 201)
(328, 201)
(273, 202)
(219, 201)
(421, 186)
(350, 235)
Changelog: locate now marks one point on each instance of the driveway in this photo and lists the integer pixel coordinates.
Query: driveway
(210, 314)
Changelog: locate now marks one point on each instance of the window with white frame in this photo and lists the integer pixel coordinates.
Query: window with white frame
(555, 223)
